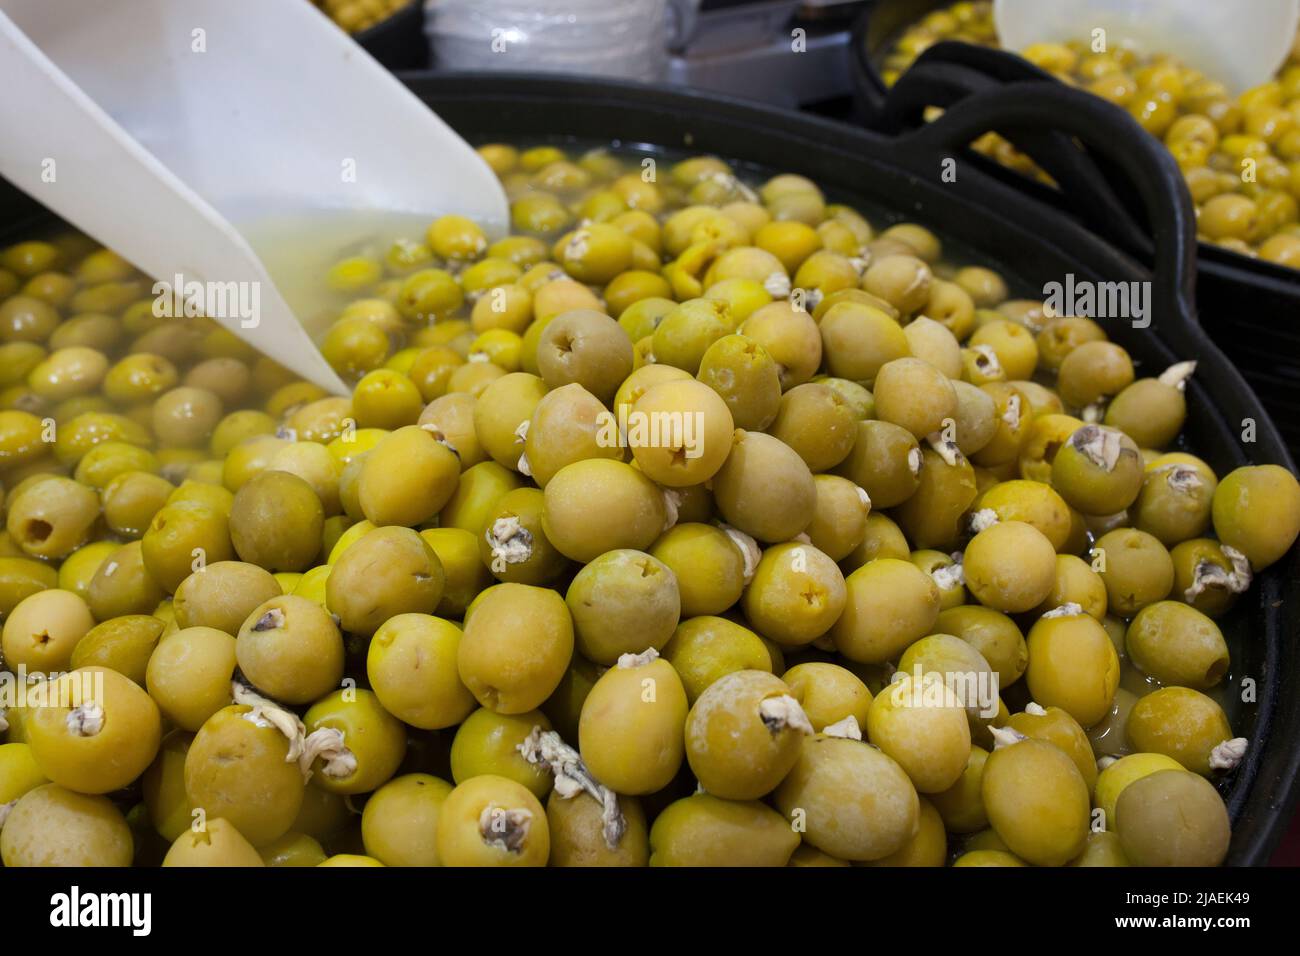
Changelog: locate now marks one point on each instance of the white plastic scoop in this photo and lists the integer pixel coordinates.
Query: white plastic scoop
(243, 147)
(1240, 43)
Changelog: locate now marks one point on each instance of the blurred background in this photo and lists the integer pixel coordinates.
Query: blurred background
(738, 47)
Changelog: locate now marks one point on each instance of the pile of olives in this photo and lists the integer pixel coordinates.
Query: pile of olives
(696, 522)
(1240, 157)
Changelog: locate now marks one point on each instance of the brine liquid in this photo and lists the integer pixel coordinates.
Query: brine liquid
(299, 249)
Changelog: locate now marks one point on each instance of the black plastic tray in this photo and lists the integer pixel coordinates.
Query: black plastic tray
(1031, 242)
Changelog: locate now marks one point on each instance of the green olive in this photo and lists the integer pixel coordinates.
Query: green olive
(961, 806)
(587, 347)
(921, 723)
(885, 461)
(254, 785)
(314, 464)
(599, 505)
(623, 602)
(216, 843)
(466, 576)
(1076, 583)
(915, 395)
(43, 630)
(500, 412)
(26, 319)
(569, 424)
(1181, 723)
(123, 585)
(183, 537)
(276, 522)
(743, 735)
(1205, 577)
(389, 571)
(791, 337)
(927, 847)
(189, 674)
(488, 743)
(961, 667)
(687, 331)
(1262, 533)
(992, 633)
(1149, 411)
(1093, 371)
(1010, 566)
(1036, 801)
(131, 500)
(828, 693)
(630, 731)
(512, 544)
(1098, 471)
(1072, 665)
(186, 416)
(370, 742)
(707, 564)
(52, 517)
(400, 822)
(764, 488)
(1033, 503)
(858, 339)
(123, 644)
(1102, 849)
(23, 438)
(817, 423)
(796, 594)
(852, 800)
(1175, 500)
(840, 516)
(890, 603)
(407, 478)
(1057, 727)
(576, 832)
(705, 649)
(163, 787)
(1137, 571)
(492, 821)
(746, 376)
(291, 650)
(1172, 818)
(931, 516)
(223, 595)
(53, 826)
(1176, 644)
(481, 487)
(704, 830)
(411, 664)
(680, 432)
(98, 732)
(1118, 775)
(517, 644)
(293, 849)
